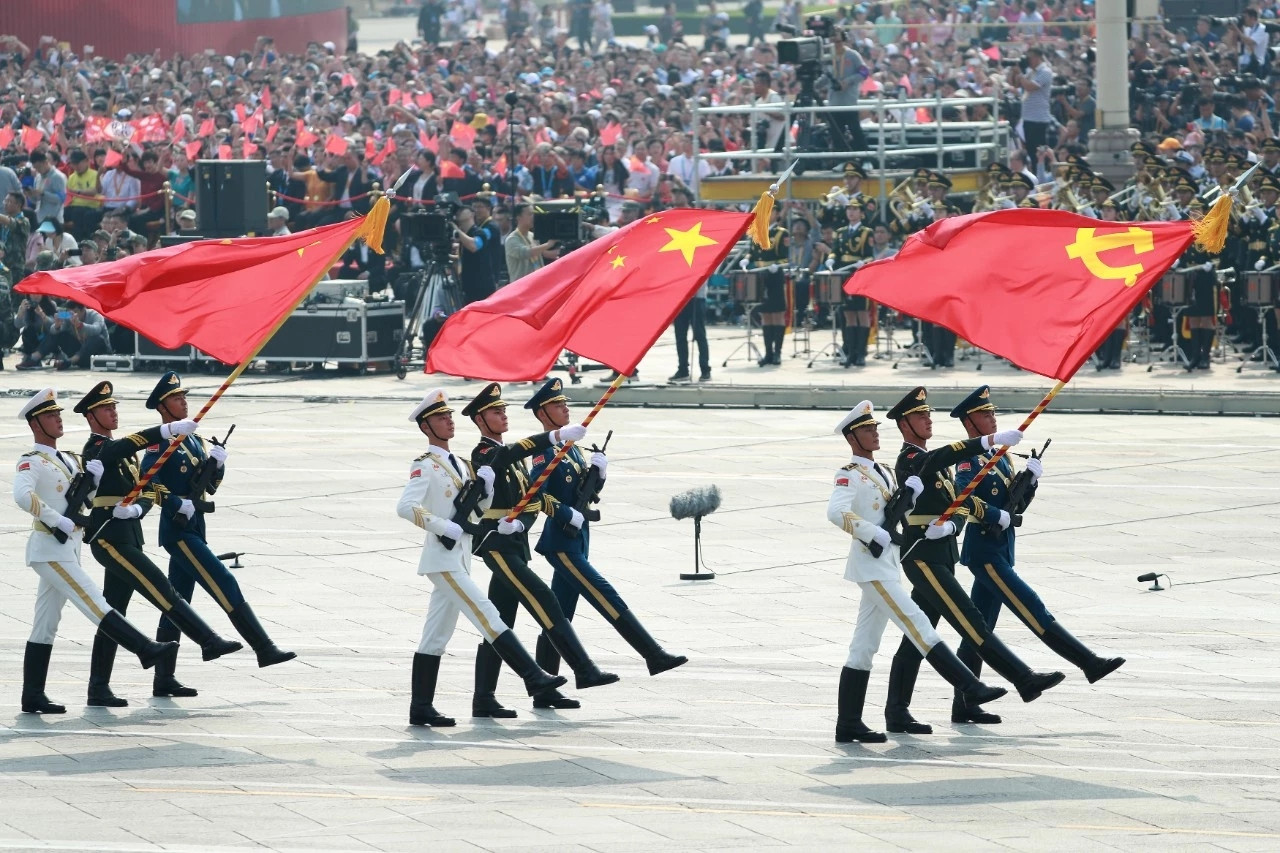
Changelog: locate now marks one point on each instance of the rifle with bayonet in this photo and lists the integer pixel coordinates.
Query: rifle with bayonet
(589, 491)
(895, 514)
(78, 500)
(465, 507)
(203, 481)
(1020, 494)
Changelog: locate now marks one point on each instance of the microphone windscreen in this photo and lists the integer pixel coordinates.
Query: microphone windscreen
(695, 503)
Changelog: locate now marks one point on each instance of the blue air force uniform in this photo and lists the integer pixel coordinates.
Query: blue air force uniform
(989, 554)
(567, 547)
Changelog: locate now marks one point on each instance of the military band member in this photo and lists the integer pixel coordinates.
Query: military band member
(40, 484)
(989, 554)
(929, 556)
(1271, 157)
(853, 246)
(565, 541)
(435, 479)
(1020, 189)
(1202, 310)
(182, 535)
(833, 212)
(770, 265)
(504, 547)
(857, 504)
(118, 543)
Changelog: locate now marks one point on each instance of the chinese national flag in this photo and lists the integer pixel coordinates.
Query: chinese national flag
(608, 301)
(31, 138)
(1042, 288)
(222, 296)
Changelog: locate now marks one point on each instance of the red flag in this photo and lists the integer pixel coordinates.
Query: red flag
(6, 137)
(60, 114)
(428, 142)
(272, 131)
(450, 169)
(424, 100)
(249, 148)
(221, 296)
(193, 149)
(250, 124)
(348, 81)
(608, 301)
(610, 132)
(112, 159)
(224, 151)
(386, 151)
(95, 128)
(31, 138)
(207, 129)
(455, 107)
(370, 148)
(462, 135)
(306, 139)
(1042, 288)
(393, 96)
(335, 144)
(179, 131)
(241, 113)
(265, 97)
(355, 109)
(500, 167)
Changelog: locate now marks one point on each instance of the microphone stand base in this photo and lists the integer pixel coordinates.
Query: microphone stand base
(697, 576)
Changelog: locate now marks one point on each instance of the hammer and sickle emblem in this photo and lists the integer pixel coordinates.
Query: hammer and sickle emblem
(1089, 245)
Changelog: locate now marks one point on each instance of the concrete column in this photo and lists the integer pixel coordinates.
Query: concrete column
(1109, 142)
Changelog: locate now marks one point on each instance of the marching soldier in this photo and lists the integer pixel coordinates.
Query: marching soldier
(929, 558)
(857, 506)
(989, 554)
(118, 543)
(770, 265)
(566, 539)
(182, 535)
(853, 245)
(40, 485)
(435, 479)
(504, 547)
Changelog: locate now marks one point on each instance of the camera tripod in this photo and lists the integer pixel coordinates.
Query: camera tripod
(808, 132)
(435, 292)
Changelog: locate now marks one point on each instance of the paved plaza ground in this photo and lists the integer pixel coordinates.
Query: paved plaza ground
(1178, 750)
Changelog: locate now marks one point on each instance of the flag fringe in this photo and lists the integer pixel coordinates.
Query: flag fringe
(763, 212)
(374, 225)
(1210, 231)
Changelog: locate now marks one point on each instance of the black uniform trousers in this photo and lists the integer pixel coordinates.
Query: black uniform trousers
(514, 584)
(129, 569)
(934, 587)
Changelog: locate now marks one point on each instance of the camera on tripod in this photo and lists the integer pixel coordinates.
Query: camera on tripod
(560, 221)
(806, 53)
(432, 232)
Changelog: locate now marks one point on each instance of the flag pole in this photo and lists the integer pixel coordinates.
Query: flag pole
(536, 486)
(374, 221)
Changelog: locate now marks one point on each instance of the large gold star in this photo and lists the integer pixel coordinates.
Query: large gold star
(687, 242)
(620, 260)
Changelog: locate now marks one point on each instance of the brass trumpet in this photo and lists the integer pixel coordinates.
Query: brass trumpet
(904, 202)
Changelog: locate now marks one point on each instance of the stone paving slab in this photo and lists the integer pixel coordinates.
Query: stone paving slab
(1179, 750)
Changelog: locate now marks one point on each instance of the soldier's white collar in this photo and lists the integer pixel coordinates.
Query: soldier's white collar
(44, 448)
(439, 451)
(863, 462)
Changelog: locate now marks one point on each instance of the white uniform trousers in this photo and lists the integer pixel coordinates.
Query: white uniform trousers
(883, 601)
(61, 581)
(454, 592)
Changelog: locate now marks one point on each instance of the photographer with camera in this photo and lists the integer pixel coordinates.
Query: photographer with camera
(1035, 78)
(769, 126)
(524, 254)
(480, 240)
(76, 335)
(844, 79)
(1254, 40)
(1079, 106)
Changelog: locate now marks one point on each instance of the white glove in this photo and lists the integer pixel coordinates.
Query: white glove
(452, 531)
(1260, 215)
(600, 461)
(1005, 520)
(927, 209)
(572, 432)
(916, 485)
(218, 454)
(1036, 467)
(1010, 437)
(66, 525)
(1207, 266)
(170, 431)
(187, 508)
(484, 472)
(506, 528)
(575, 519)
(882, 536)
(126, 511)
(94, 467)
(940, 531)
(773, 267)
(1260, 264)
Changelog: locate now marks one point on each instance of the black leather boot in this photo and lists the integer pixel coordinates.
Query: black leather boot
(853, 694)
(1078, 654)
(163, 683)
(585, 672)
(861, 335)
(1029, 684)
(426, 668)
(149, 652)
(961, 710)
(189, 622)
(246, 623)
(846, 346)
(101, 661)
(514, 655)
(549, 659)
(1117, 340)
(902, 683)
(657, 658)
(484, 701)
(974, 692)
(35, 671)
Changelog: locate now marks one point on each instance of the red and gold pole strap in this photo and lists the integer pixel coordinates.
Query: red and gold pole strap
(995, 457)
(371, 232)
(536, 485)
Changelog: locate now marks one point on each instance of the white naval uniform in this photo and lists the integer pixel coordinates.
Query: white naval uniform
(40, 486)
(862, 489)
(427, 501)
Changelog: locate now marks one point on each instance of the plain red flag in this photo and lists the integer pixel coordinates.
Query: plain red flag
(31, 138)
(608, 301)
(265, 97)
(1042, 288)
(221, 296)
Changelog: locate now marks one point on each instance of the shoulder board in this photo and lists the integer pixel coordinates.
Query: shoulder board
(423, 456)
(956, 445)
(30, 453)
(850, 466)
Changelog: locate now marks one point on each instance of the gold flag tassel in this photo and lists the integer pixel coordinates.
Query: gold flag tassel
(1210, 231)
(375, 225)
(763, 211)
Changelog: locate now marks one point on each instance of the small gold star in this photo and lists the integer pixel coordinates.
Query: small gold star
(618, 261)
(687, 242)
(652, 219)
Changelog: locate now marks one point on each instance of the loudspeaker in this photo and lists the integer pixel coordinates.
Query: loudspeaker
(231, 197)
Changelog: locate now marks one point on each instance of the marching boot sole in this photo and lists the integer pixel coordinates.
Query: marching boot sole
(556, 703)
(975, 716)
(491, 708)
(599, 680)
(266, 659)
(106, 700)
(909, 727)
(435, 722)
(168, 649)
(218, 648)
(551, 682)
(43, 708)
(984, 694)
(179, 692)
(864, 736)
(1109, 665)
(1042, 683)
(667, 662)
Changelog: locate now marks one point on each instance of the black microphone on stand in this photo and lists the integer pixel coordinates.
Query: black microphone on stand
(696, 504)
(512, 99)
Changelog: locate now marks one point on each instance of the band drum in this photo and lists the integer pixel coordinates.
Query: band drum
(828, 288)
(746, 286)
(1259, 289)
(1173, 288)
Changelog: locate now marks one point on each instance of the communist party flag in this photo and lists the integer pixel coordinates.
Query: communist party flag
(608, 301)
(225, 297)
(1042, 288)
